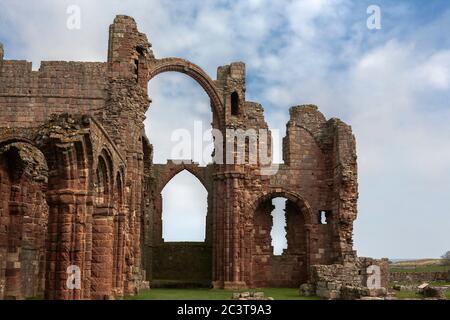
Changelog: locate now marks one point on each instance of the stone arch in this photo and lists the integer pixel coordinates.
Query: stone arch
(5, 140)
(103, 178)
(102, 182)
(102, 265)
(118, 234)
(289, 195)
(290, 269)
(84, 156)
(24, 218)
(172, 171)
(158, 66)
(119, 190)
(69, 198)
(166, 180)
(235, 104)
(180, 262)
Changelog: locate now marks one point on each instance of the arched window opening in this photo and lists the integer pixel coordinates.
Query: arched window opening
(24, 211)
(102, 182)
(234, 104)
(278, 232)
(185, 204)
(279, 241)
(119, 190)
(14, 163)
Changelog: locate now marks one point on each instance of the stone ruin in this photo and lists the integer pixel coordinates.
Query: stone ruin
(348, 281)
(78, 186)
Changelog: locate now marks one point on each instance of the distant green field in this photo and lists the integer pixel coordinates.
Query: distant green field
(421, 268)
(213, 294)
(408, 295)
(405, 295)
(422, 265)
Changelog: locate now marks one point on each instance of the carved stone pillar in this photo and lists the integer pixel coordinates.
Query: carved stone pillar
(227, 232)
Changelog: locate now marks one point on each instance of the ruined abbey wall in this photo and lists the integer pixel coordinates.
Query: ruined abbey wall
(79, 189)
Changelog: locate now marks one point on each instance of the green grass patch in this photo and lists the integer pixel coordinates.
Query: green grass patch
(426, 268)
(440, 283)
(408, 295)
(35, 298)
(214, 294)
(405, 295)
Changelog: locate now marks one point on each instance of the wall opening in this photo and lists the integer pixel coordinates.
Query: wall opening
(324, 216)
(279, 250)
(103, 226)
(178, 122)
(102, 182)
(23, 221)
(184, 209)
(184, 257)
(136, 69)
(119, 187)
(278, 232)
(179, 126)
(234, 104)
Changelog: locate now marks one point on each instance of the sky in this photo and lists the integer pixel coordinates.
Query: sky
(392, 85)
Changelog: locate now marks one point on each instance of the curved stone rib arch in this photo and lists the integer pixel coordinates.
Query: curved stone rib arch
(296, 198)
(158, 66)
(180, 169)
(17, 139)
(118, 186)
(107, 156)
(105, 170)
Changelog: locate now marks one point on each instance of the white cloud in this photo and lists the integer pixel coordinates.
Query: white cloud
(436, 71)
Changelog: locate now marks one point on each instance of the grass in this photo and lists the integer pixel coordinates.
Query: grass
(440, 283)
(405, 295)
(35, 298)
(420, 262)
(214, 294)
(422, 265)
(419, 268)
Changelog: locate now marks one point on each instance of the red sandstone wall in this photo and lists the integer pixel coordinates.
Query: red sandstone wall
(28, 98)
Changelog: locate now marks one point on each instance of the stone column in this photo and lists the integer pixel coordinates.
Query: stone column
(13, 261)
(227, 232)
(102, 253)
(66, 243)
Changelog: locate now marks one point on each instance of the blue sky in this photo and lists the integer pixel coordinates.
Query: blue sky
(392, 85)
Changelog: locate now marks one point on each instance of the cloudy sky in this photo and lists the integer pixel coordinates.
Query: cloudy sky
(392, 85)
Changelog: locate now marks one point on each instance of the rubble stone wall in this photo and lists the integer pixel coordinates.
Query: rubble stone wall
(418, 277)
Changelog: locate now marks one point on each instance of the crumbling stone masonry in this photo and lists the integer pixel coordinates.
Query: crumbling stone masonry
(348, 281)
(78, 187)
